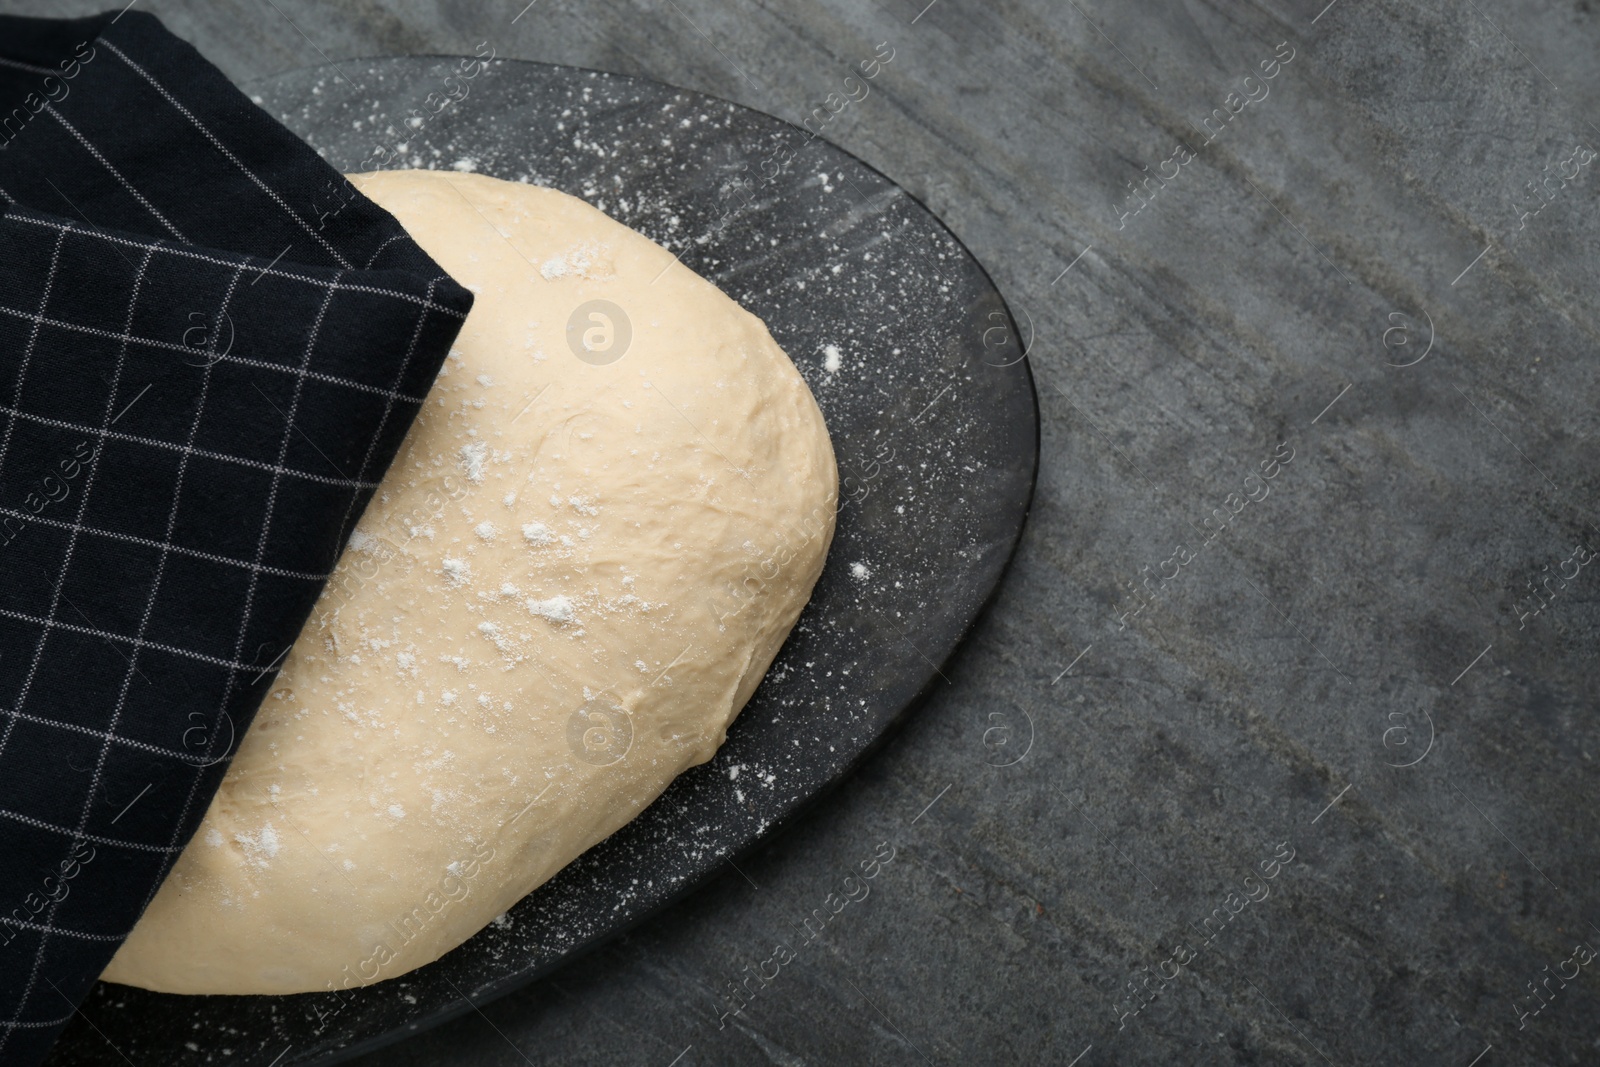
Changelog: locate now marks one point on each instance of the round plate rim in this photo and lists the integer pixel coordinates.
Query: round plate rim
(808, 805)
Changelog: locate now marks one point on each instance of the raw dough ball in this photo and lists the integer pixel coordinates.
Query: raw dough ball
(568, 585)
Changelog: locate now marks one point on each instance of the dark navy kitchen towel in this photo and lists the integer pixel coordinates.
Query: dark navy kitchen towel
(210, 349)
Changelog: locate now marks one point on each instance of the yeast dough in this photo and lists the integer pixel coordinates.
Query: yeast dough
(600, 530)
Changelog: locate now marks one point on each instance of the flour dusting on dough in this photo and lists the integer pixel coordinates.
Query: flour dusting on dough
(260, 846)
(556, 609)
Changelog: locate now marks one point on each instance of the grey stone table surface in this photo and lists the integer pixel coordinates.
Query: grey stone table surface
(1317, 788)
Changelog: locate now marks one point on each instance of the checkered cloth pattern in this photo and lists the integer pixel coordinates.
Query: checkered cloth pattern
(211, 348)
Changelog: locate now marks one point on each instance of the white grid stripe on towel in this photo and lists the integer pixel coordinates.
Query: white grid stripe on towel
(274, 272)
(180, 550)
(184, 450)
(174, 346)
(102, 734)
(136, 846)
(107, 635)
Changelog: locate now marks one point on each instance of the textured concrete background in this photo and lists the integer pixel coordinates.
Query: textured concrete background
(1352, 674)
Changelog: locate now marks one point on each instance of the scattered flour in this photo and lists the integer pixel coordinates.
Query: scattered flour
(260, 846)
(456, 571)
(556, 609)
(577, 261)
(472, 459)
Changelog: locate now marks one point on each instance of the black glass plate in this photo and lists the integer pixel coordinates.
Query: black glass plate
(921, 374)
